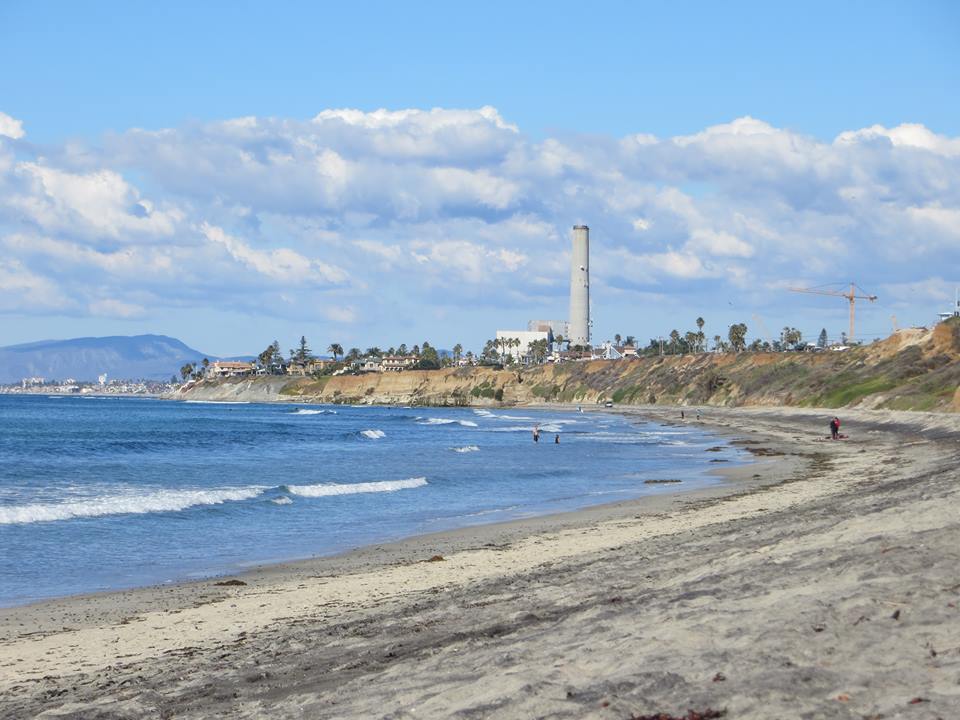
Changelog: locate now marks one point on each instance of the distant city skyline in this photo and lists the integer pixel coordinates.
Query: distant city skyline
(231, 174)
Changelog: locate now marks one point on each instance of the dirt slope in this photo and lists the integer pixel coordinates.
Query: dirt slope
(911, 370)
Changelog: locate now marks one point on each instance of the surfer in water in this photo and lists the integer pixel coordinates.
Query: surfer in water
(556, 440)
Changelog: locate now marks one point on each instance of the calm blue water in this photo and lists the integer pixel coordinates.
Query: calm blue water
(103, 493)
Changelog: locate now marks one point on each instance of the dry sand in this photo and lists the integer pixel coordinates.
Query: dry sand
(821, 581)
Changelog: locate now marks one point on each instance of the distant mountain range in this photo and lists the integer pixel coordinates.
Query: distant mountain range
(147, 357)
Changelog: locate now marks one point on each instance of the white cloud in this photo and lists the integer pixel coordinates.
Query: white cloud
(109, 307)
(11, 127)
(719, 243)
(355, 215)
(282, 264)
(907, 135)
(26, 292)
(101, 204)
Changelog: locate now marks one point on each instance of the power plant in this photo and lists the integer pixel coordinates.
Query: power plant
(579, 328)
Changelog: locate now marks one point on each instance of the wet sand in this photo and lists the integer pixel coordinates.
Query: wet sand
(821, 581)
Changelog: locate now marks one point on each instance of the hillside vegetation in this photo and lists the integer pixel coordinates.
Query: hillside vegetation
(913, 369)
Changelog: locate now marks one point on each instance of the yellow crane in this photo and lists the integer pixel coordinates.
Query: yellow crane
(851, 296)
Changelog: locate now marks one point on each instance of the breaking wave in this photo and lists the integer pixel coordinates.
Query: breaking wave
(546, 428)
(158, 501)
(445, 421)
(466, 449)
(373, 434)
(306, 411)
(328, 489)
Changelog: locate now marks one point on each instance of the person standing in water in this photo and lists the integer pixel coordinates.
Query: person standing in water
(536, 434)
(556, 440)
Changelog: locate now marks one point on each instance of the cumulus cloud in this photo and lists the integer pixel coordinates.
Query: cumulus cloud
(11, 127)
(360, 215)
(281, 264)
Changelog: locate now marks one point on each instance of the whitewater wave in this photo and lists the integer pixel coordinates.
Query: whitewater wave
(545, 428)
(282, 500)
(306, 411)
(466, 449)
(328, 489)
(217, 402)
(373, 434)
(445, 421)
(158, 501)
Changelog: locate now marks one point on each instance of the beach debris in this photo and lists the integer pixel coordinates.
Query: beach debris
(437, 558)
(715, 448)
(719, 677)
(230, 583)
(819, 627)
(862, 618)
(660, 482)
(615, 599)
(843, 697)
(705, 714)
(918, 700)
(896, 615)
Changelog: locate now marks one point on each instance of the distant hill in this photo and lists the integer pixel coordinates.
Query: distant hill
(149, 357)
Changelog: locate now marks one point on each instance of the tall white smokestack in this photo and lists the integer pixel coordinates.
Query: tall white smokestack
(579, 330)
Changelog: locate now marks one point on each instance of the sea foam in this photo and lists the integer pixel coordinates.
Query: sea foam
(138, 504)
(306, 411)
(466, 449)
(445, 421)
(373, 434)
(328, 489)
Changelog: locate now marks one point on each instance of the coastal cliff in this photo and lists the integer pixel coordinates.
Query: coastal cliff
(913, 369)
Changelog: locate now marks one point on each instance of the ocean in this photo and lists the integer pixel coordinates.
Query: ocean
(109, 493)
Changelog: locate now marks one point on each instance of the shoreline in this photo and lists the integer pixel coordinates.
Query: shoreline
(736, 471)
(114, 636)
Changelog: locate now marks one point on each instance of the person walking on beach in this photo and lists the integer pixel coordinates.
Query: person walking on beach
(834, 429)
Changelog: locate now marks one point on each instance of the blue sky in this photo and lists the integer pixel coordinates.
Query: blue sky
(189, 168)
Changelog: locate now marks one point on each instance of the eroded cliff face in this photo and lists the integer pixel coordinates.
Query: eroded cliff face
(911, 370)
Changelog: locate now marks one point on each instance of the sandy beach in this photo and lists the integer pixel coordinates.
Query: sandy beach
(821, 580)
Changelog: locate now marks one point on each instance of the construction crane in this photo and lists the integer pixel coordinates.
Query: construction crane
(851, 296)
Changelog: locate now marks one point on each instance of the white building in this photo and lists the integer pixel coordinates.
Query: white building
(229, 368)
(521, 350)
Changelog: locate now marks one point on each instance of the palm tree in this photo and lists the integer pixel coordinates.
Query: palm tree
(457, 350)
(700, 336)
(674, 340)
(617, 338)
(335, 349)
(558, 342)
